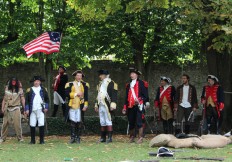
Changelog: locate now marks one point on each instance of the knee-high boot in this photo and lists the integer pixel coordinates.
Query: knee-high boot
(170, 126)
(64, 109)
(132, 135)
(72, 129)
(41, 135)
(110, 133)
(103, 134)
(187, 129)
(78, 130)
(165, 126)
(32, 135)
(55, 110)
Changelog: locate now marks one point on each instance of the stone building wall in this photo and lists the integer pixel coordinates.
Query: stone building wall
(118, 72)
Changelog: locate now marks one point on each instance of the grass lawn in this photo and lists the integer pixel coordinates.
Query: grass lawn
(57, 149)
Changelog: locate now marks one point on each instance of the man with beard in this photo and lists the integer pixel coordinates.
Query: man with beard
(106, 104)
(213, 99)
(77, 94)
(164, 102)
(11, 104)
(136, 96)
(185, 103)
(59, 90)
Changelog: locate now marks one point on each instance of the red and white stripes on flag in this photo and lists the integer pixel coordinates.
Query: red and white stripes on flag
(48, 42)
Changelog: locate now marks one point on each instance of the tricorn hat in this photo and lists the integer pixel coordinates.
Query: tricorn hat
(166, 79)
(104, 72)
(63, 67)
(213, 78)
(37, 78)
(164, 152)
(134, 70)
(78, 71)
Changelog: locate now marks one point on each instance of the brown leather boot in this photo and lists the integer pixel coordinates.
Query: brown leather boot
(140, 140)
(132, 136)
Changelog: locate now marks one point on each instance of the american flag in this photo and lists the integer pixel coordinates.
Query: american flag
(48, 42)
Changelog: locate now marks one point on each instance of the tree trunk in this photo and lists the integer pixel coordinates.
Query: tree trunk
(48, 67)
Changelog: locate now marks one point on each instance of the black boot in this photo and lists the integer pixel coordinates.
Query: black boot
(110, 132)
(187, 129)
(41, 135)
(109, 140)
(103, 136)
(77, 138)
(165, 126)
(64, 109)
(170, 126)
(55, 110)
(177, 132)
(32, 135)
(73, 126)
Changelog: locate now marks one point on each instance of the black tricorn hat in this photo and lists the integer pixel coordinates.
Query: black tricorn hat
(213, 78)
(134, 70)
(164, 152)
(105, 72)
(78, 71)
(37, 78)
(63, 67)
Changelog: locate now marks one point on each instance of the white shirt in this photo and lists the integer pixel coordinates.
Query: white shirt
(185, 102)
(37, 101)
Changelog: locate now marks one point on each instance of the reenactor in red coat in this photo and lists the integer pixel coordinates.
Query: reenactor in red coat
(164, 102)
(136, 96)
(213, 99)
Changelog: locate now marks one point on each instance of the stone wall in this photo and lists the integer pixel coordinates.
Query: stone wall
(118, 72)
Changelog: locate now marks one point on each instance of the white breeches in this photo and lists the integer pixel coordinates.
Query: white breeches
(75, 115)
(35, 116)
(57, 98)
(103, 114)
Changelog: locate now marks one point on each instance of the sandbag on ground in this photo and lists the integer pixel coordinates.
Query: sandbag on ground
(182, 143)
(210, 143)
(217, 137)
(161, 140)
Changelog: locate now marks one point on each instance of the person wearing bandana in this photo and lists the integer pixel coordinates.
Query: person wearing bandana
(106, 104)
(11, 104)
(136, 96)
(77, 94)
(185, 104)
(213, 100)
(37, 102)
(59, 90)
(164, 102)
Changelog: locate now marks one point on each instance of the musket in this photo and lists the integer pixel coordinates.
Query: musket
(190, 116)
(45, 118)
(148, 123)
(66, 110)
(201, 158)
(202, 121)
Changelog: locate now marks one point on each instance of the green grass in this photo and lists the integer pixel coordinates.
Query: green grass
(56, 149)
